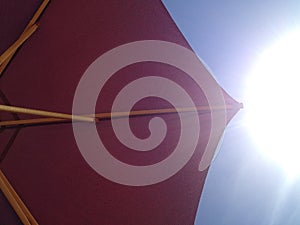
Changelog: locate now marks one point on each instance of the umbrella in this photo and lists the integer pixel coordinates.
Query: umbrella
(107, 115)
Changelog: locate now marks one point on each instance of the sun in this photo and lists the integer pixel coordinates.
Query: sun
(272, 103)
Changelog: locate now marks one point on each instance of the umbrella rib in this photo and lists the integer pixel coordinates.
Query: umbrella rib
(114, 115)
(13, 48)
(15, 201)
(31, 25)
(15, 109)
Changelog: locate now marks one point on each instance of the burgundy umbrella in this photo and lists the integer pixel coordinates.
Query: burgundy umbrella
(115, 119)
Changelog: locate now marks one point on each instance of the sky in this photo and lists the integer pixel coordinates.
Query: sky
(243, 187)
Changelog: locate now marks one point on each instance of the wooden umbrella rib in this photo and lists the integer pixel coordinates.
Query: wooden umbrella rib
(30, 24)
(14, 203)
(5, 183)
(32, 121)
(113, 115)
(18, 43)
(36, 112)
(37, 14)
(159, 111)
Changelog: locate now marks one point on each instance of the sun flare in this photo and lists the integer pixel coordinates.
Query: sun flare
(273, 103)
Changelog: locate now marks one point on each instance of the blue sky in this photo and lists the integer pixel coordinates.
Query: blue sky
(243, 187)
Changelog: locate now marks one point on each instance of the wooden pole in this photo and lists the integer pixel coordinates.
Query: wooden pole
(13, 48)
(31, 23)
(17, 199)
(13, 202)
(37, 14)
(36, 112)
(112, 115)
(32, 121)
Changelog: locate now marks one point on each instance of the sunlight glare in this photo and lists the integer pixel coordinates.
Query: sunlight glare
(273, 105)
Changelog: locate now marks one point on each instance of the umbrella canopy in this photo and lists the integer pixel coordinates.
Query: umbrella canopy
(84, 56)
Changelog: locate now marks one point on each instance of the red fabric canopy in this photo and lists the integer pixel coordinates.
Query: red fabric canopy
(44, 163)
